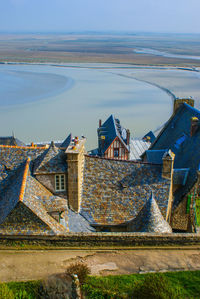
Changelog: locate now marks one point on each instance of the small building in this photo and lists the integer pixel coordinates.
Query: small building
(113, 140)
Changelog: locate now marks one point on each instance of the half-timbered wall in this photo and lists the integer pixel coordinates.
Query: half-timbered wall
(116, 151)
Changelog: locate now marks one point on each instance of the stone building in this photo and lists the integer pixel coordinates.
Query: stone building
(54, 191)
(181, 135)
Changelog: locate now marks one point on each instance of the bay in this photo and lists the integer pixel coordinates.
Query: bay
(45, 102)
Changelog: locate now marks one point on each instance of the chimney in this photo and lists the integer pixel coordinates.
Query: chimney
(99, 123)
(75, 162)
(194, 125)
(168, 165)
(178, 102)
(128, 136)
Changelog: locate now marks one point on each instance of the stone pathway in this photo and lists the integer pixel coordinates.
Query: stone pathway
(37, 264)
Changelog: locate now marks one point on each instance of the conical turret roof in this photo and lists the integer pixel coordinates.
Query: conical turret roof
(150, 219)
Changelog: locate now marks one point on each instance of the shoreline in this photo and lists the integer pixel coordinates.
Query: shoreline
(109, 65)
(120, 96)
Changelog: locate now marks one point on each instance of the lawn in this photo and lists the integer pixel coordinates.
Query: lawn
(185, 284)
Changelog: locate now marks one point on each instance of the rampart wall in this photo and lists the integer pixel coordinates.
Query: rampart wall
(105, 240)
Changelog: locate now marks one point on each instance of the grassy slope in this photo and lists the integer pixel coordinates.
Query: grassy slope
(120, 286)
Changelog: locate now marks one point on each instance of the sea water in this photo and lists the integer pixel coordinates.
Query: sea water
(45, 102)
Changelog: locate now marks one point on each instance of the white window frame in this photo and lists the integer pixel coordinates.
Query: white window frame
(58, 182)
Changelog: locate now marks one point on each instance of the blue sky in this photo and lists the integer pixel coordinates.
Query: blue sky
(181, 16)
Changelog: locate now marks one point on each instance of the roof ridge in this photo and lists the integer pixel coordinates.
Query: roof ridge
(192, 108)
(24, 147)
(23, 185)
(117, 160)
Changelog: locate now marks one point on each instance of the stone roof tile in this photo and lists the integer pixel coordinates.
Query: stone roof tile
(53, 160)
(115, 191)
(150, 219)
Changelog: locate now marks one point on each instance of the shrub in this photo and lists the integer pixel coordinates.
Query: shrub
(5, 292)
(80, 269)
(155, 287)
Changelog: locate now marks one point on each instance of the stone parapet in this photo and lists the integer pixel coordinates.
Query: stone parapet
(105, 240)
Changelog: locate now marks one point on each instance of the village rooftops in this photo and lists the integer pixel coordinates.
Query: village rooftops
(115, 191)
(10, 140)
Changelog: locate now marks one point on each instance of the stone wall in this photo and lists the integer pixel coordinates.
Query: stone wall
(179, 217)
(105, 240)
(23, 221)
(48, 180)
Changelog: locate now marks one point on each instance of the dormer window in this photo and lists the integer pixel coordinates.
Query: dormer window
(60, 184)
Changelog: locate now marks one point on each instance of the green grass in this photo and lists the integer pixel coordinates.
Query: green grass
(197, 201)
(122, 286)
(187, 284)
(23, 290)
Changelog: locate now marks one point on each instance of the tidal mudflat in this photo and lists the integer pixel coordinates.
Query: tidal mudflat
(46, 102)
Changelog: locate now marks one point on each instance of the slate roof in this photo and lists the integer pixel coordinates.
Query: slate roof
(10, 192)
(150, 219)
(10, 140)
(155, 156)
(149, 136)
(185, 189)
(111, 129)
(180, 176)
(18, 186)
(77, 223)
(115, 191)
(53, 160)
(67, 141)
(137, 148)
(27, 190)
(11, 157)
(176, 136)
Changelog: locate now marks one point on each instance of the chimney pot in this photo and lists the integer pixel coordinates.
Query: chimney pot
(194, 125)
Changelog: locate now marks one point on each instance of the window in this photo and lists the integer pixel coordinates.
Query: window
(116, 152)
(60, 182)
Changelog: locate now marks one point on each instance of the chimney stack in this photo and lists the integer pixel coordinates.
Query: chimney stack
(168, 164)
(75, 161)
(194, 125)
(100, 123)
(128, 136)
